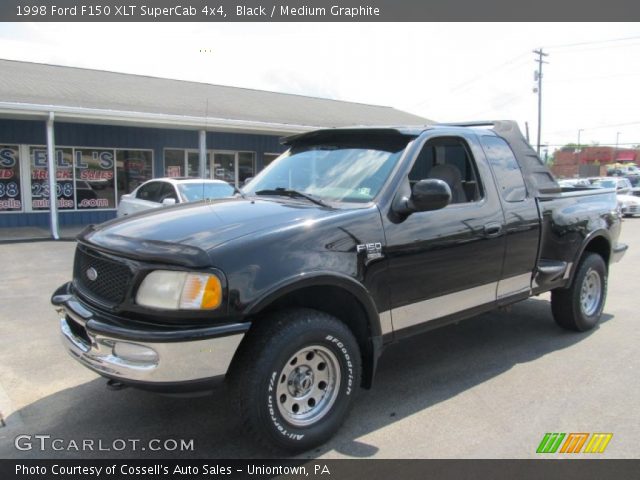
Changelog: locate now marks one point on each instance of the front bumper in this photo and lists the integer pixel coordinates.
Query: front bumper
(172, 359)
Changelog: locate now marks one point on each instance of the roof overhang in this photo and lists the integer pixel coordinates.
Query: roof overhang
(63, 113)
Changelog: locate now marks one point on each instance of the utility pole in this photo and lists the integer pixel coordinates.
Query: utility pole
(580, 130)
(615, 152)
(537, 76)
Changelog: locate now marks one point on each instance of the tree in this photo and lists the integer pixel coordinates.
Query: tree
(570, 147)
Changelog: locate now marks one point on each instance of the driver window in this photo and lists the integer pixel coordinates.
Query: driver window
(450, 160)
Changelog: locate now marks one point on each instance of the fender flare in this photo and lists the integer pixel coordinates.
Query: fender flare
(348, 284)
(321, 279)
(600, 233)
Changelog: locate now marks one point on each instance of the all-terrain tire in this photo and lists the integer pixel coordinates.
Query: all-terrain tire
(579, 307)
(294, 378)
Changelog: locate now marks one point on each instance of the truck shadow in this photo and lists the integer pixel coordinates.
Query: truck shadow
(413, 375)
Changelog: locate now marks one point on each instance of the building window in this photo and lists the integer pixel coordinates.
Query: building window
(87, 178)
(133, 168)
(221, 165)
(10, 193)
(95, 178)
(184, 163)
(40, 178)
(224, 166)
(174, 163)
(246, 166)
(268, 158)
(193, 164)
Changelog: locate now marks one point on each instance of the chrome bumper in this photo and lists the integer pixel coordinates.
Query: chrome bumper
(164, 362)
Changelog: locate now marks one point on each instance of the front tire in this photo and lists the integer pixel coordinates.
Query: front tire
(579, 307)
(294, 378)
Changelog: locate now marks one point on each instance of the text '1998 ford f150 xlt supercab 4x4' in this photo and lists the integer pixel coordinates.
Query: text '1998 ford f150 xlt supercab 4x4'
(352, 239)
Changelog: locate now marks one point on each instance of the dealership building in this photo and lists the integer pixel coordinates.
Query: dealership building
(104, 133)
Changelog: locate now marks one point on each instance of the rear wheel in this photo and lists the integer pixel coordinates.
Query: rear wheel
(579, 307)
(294, 378)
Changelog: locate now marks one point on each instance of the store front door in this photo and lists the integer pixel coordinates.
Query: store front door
(232, 167)
(223, 167)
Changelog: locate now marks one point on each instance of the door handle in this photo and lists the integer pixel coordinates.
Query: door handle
(492, 229)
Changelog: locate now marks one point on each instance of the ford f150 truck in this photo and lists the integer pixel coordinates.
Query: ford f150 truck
(352, 239)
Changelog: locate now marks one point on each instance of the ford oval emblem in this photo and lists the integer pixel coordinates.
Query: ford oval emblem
(92, 274)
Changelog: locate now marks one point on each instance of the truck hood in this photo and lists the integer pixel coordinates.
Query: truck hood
(184, 234)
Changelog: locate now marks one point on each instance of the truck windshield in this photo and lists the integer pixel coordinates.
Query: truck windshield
(334, 173)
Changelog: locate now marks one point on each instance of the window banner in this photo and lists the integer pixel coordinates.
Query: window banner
(10, 194)
(95, 187)
(40, 178)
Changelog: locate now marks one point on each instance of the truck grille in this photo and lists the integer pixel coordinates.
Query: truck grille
(101, 278)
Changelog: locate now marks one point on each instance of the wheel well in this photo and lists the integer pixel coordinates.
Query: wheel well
(601, 246)
(341, 304)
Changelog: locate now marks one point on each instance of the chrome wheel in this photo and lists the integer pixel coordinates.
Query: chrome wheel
(308, 385)
(591, 292)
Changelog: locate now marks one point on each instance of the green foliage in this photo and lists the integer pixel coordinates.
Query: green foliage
(570, 147)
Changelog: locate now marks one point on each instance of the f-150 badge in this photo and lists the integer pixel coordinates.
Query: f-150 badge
(373, 250)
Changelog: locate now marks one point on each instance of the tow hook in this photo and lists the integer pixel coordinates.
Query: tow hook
(115, 385)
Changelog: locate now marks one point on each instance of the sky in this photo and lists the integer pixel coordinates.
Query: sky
(441, 71)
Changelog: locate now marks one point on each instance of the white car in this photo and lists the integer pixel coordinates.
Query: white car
(621, 184)
(628, 203)
(574, 182)
(169, 191)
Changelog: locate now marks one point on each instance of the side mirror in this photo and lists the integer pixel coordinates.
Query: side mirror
(168, 202)
(428, 194)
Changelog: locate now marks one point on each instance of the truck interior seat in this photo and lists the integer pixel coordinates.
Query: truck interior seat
(452, 176)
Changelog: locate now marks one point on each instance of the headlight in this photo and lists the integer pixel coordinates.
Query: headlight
(180, 291)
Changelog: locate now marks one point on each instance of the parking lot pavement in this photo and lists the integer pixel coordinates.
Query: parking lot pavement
(488, 387)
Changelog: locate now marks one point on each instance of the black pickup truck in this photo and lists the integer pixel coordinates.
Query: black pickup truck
(352, 239)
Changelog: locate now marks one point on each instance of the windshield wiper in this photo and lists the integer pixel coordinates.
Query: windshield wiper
(293, 194)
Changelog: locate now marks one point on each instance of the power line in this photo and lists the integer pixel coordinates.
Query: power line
(474, 79)
(594, 42)
(488, 72)
(584, 145)
(591, 49)
(514, 100)
(599, 127)
(595, 77)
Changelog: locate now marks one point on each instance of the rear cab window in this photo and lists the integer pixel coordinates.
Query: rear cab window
(505, 167)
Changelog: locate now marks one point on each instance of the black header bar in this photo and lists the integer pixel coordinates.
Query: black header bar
(315, 10)
(318, 469)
